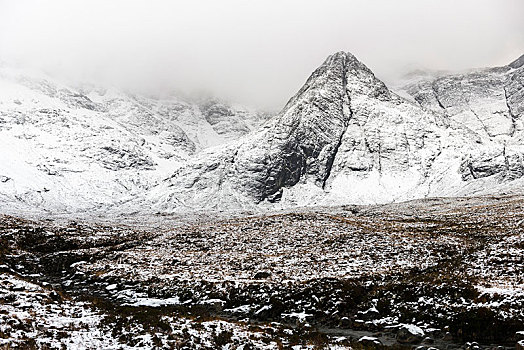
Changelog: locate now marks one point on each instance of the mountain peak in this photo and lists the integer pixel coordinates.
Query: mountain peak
(350, 66)
(343, 58)
(342, 55)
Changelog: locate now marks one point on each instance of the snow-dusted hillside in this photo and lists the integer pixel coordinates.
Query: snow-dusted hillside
(343, 138)
(489, 101)
(346, 138)
(84, 148)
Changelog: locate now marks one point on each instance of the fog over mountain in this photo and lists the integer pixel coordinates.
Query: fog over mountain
(255, 53)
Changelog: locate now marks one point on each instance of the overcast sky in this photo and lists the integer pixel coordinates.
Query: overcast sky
(254, 52)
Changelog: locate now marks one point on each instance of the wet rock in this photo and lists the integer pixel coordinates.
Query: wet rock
(370, 342)
(264, 312)
(447, 337)
(409, 334)
(368, 315)
(345, 322)
(428, 340)
(472, 346)
(55, 296)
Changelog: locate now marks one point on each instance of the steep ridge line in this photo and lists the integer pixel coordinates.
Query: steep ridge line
(347, 117)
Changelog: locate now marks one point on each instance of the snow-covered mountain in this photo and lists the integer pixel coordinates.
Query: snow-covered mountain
(82, 148)
(346, 138)
(490, 102)
(343, 138)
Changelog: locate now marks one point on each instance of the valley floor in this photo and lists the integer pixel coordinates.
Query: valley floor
(441, 273)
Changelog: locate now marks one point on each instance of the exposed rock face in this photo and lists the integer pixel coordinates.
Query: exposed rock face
(475, 99)
(497, 160)
(345, 137)
(386, 136)
(514, 90)
(301, 142)
(488, 101)
(226, 121)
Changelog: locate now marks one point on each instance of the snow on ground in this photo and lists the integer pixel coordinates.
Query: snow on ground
(382, 271)
(36, 316)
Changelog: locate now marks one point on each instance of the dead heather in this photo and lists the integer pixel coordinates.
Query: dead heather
(439, 272)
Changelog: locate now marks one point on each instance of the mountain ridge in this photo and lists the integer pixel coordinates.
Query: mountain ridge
(369, 166)
(343, 138)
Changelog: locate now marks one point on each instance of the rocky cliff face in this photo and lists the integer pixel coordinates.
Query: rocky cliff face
(491, 103)
(346, 138)
(300, 142)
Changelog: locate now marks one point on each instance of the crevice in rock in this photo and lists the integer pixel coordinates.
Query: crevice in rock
(471, 170)
(481, 122)
(346, 118)
(512, 116)
(506, 161)
(434, 89)
(379, 159)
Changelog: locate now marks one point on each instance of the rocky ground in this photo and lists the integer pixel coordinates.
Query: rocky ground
(441, 273)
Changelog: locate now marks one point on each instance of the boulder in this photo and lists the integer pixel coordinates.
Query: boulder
(409, 334)
(370, 342)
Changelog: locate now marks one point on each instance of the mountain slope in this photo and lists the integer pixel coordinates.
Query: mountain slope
(344, 138)
(489, 101)
(66, 148)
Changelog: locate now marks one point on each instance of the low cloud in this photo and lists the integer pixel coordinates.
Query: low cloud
(254, 52)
